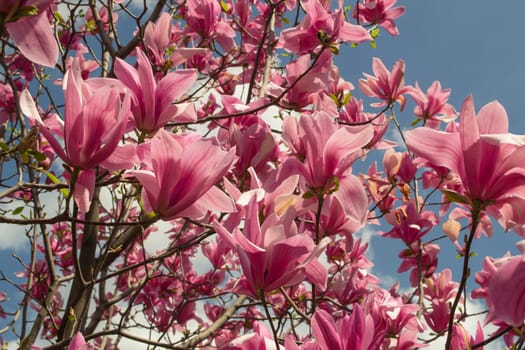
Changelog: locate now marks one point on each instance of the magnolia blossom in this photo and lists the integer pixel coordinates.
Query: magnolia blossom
(432, 107)
(180, 175)
(491, 175)
(502, 284)
(96, 115)
(385, 85)
(152, 102)
(380, 12)
(353, 332)
(320, 28)
(274, 254)
(157, 36)
(325, 151)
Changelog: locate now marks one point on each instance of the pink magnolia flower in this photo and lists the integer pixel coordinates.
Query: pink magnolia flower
(3, 297)
(432, 107)
(28, 25)
(461, 339)
(157, 36)
(274, 254)
(380, 12)
(253, 141)
(502, 284)
(262, 338)
(346, 211)
(204, 19)
(96, 114)
(491, 175)
(352, 332)
(152, 102)
(180, 176)
(324, 151)
(303, 90)
(352, 113)
(409, 224)
(385, 85)
(425, 267)
(320, 27)
(440, 291)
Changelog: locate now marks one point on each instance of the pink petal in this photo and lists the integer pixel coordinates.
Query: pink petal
(123, 157)
(84, 188)
(492, 119)
(354, 33)
(34, 37)
(343, 143)
(325, 331)
(78, 343)
(439, 148)
(27, 105)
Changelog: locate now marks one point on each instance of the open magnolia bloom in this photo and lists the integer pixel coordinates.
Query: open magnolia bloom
(96, 115)
(153, 102)
(492, 175)
(274, 254)
(180, 175)
(502, 285)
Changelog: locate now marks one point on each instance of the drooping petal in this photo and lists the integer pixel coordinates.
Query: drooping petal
(34, 37)
(354, 33)
(439, 148)
(342, 143)
(28, 107)
(497, 139)
(84, 189)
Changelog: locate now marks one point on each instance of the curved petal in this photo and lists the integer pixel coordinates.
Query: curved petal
(492, 119)
(34, 37)
(325, 331)
(439, 148)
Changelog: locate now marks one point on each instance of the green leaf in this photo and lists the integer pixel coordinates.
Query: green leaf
(373, 44)
(224, 7)
(59, 17)
(285, 20)
(24, 11)
(415, 122)
(18, 210)
(308, 195)
(37, 155)
(4, 147)
(56, 181)
(455, 197)
(90, 25)
(346, 100)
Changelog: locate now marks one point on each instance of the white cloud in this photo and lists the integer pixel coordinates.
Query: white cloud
(13, 237)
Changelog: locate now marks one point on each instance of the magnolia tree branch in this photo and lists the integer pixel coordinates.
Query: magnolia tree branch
(194, 341)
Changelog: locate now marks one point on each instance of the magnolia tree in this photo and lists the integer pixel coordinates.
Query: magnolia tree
(196, 174)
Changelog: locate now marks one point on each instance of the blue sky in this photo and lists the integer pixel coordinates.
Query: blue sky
(472, 47)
